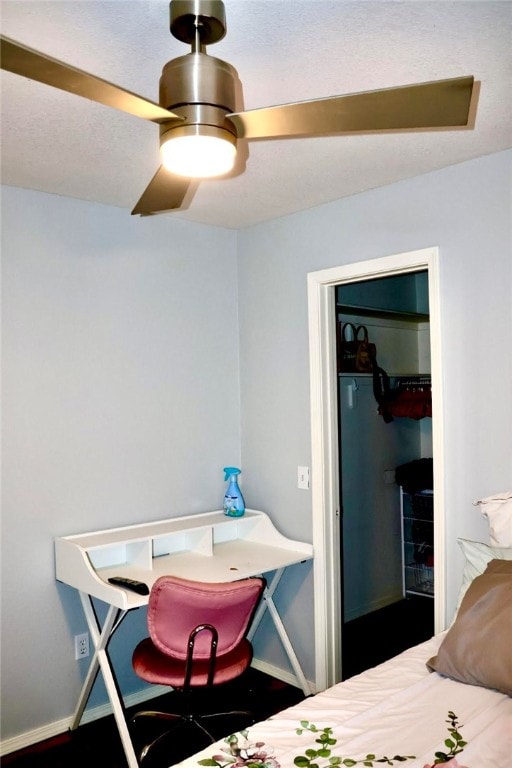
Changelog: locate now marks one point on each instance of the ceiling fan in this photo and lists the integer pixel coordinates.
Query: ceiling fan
(197, 117)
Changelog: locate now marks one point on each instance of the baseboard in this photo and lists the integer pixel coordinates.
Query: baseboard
(374, 605)
(280, 674)
(49, 731)
(58, 727)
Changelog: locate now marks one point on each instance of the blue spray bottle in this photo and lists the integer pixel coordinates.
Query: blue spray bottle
(234, 504)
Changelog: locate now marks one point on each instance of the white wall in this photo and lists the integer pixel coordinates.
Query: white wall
(121, 391)
(466, 211)
(120, 404)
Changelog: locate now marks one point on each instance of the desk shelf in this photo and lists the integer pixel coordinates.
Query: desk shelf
(208, 547)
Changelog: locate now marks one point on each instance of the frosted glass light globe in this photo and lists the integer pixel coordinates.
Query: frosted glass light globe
(198, 157)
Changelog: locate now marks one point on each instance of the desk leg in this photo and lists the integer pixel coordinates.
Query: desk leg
(268, 603)
(101, 661)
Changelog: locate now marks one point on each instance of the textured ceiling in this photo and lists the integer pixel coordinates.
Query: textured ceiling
(283, 50)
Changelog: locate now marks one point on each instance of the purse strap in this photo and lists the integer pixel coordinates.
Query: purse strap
(354, 332)
(364, 329)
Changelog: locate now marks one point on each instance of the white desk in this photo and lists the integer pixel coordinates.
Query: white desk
(206, 547)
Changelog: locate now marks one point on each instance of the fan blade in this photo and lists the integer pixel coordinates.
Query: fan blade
(165, 192)
(437, 104)
(26, 62)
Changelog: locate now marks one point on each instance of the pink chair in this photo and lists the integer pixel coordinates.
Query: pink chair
(197, 640)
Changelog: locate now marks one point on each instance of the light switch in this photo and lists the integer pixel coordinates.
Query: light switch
(303, 478)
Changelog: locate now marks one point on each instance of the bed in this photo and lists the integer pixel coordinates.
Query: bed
(447, 700)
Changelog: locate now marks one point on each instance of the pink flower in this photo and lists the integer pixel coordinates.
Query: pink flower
(450, 764)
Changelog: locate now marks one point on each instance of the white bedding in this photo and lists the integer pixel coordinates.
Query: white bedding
(399, 708)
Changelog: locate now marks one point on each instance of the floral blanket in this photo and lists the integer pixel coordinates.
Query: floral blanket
(398, 711)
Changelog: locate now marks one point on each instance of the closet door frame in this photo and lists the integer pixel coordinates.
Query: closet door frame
(324, 445)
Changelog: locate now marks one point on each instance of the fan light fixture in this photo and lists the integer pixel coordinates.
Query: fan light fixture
(198, 151)
(200, 96)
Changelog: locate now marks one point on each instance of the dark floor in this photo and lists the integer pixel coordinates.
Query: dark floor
(97, 744)
(367, 641)
(376, 637)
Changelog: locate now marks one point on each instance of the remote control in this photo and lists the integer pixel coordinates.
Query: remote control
(135, 586)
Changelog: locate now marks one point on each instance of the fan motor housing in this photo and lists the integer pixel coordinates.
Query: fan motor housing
(200, 88)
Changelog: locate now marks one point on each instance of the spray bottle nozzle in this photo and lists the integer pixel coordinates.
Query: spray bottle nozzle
(228, 471)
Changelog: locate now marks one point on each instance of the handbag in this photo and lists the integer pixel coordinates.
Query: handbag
(356, 354)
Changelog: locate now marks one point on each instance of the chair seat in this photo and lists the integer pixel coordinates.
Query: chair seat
(156, 667)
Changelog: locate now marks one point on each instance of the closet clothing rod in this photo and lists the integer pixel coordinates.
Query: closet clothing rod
(404, 382)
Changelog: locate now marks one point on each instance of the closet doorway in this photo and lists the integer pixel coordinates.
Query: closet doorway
(385, 449)
(322, 286)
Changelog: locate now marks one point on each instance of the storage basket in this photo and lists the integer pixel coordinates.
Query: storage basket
(422, 505)
(423, 578)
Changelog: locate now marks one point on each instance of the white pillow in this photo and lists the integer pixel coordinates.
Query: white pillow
(498, 510)
(478, 555)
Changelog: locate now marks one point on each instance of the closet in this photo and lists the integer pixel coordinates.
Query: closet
(385, 422)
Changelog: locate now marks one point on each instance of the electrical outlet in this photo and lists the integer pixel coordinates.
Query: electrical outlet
(81, 646)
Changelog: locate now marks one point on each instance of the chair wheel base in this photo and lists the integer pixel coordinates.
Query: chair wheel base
(199, 725)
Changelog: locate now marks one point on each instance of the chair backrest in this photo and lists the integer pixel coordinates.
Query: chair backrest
(176, 606)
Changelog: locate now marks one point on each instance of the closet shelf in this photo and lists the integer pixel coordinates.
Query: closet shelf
(415, 375)
(389, 314)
